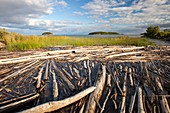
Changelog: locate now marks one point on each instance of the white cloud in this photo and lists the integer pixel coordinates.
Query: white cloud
(27, 14)
(139, 12)
(12, 12)
(78, 13)
(62, 3)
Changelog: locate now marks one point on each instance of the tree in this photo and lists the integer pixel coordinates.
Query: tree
(152, 31)
(47, 33)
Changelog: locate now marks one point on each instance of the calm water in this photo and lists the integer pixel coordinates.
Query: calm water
(157, 42)
(104, 36)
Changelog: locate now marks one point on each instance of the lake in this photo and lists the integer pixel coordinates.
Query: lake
(102, 36)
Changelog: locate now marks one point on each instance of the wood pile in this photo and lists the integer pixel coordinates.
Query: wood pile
(111, 80)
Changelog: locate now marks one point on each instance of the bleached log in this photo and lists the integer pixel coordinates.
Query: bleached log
(164, 105)
(55, 105)
(163, 100)
(17, 104)
(55, 87)
(19, 71)
(77, 72)
(85, 65)
(140, 101)
(122, 54)
(16, 99)
(109, 80)
(132, 102)
(4, 71)
(104, 103)
(25, 59)
(38, 78)
(115, 105)
(88, 66)
(71, 86)
(82, 108)
(46, 71)
(68, 74)
(109, 85)
(96, 95)
(130, 76)
(123, 105)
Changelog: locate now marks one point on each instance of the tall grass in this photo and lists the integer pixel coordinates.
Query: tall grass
(21, 42)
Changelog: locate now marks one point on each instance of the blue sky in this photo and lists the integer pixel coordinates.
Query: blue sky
(64, 17)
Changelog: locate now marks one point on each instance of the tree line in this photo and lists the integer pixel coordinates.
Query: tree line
(155, 33)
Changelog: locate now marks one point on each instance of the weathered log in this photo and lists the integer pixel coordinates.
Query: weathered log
(130, 77)
(163, 100)
(96, 95)
(88, 66)
(71, 86)
(19, 71)
(164, 105)
(46, 70)
(132, 102)
(16, 99)
(109, 80)
(107, 97)
(17, 104)
(55, 105)
(82, 108)
(140, 101)
(55, 87)
(38, 78)
(68, 74)
(123, 105)
(104, 103)
(122, 54)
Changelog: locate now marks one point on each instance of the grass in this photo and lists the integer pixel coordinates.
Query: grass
(16, 42)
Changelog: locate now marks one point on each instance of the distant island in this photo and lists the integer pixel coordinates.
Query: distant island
(103, 33)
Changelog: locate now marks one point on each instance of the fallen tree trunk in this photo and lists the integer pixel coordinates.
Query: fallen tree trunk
(122, 54)
(96, 95)
(55, 105)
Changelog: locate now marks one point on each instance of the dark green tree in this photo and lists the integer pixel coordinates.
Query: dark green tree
(152, 31)
(47, 33)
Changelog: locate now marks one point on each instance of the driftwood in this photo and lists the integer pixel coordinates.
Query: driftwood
(55, 105)
(108, 84)
(46, 70)
(18, 103)
(19, 72)
(70, 84)
(38, 78)
(96, 95)
(142, 87)
(140, 101)
(55, 87)
(132, 102)
(123, 106)
(163, 100)
(122, 54)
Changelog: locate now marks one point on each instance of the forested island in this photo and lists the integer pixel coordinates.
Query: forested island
(103, 33)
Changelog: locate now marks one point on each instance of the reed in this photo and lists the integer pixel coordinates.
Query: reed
(16, 42)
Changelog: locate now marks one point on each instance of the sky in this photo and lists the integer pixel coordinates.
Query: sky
(79, 17)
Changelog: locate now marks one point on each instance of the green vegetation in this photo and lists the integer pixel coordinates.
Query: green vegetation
(16, 41)
(47, 33)
(155, 33)
(103, 33)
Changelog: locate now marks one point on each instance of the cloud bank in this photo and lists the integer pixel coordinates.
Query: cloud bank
(124, 16)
